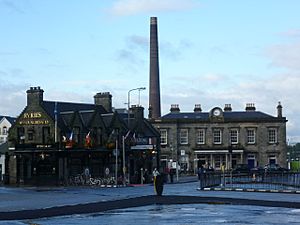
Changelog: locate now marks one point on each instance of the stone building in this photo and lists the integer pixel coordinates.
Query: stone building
(52, 141)
(5, 123)
(222, 137)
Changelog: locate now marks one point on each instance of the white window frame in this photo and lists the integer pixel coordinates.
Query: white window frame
(163, 136)
(217, 136)
(234, 136)
(200, 136)
(272, 135)
(251, 139)
(184, 136)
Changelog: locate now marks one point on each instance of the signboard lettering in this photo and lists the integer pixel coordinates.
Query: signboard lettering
(33, 118)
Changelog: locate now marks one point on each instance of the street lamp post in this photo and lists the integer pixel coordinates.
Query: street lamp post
(128, 102)
(128, 124)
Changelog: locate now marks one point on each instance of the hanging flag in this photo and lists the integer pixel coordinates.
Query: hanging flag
(127, 135)
(71, 136)
(133, 139)
(64, 138)
(111, 141)
(88, 140)
(69, 143)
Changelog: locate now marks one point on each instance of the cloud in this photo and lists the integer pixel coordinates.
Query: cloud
(265, 92)
(132, 7)
(13, 98)
(285, 55)
(8, 53)
(140, 42)
(13, 6)
(134, 53)
(175, 51)
(292, 33)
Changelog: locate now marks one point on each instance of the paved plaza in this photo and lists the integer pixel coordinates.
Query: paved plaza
(18, 204)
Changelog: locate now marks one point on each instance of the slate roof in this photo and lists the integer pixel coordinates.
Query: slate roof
(228, 116)
(143, 127)
(10, 119)
(49, 107)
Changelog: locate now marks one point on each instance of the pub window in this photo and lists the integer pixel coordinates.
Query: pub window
(217, 136)
(201, 136)
(76, 136)
(234, 136)
(21, 135)
(163, 137)
(272, 133)
(97, 135)
(46, 135)
(251, 136)
(184, 134)
(30, 134)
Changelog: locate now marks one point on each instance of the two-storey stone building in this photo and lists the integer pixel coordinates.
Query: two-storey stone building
(52, 141)
(222, 137)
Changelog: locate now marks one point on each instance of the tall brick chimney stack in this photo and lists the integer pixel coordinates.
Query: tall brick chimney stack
(154, 89)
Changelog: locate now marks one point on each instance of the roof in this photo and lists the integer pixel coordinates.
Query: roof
(142, 127)
(49, 107)
(10, 119)
(228, 116)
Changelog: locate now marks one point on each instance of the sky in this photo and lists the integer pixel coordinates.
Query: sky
(211, 52)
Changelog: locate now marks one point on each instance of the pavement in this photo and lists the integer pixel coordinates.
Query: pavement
(37, 202)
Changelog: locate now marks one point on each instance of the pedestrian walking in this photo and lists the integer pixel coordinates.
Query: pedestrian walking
(86, 175)
(200, 176)
(171, 175)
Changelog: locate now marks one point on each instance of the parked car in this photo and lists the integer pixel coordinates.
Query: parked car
(275, 168)
(257, 170)
(241, 168)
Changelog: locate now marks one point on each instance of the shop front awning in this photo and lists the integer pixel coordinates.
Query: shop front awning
(142, 147)
(218, 151)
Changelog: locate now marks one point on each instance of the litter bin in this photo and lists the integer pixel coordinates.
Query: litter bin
(159, 185)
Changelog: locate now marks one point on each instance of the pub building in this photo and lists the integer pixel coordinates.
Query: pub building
(52, 141)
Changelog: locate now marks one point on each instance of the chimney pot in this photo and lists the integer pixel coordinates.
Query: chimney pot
(227, 108)
(197, 108)
(104, 99)
(34, 96)
(175, 108)
(279, 110)
(250, 107)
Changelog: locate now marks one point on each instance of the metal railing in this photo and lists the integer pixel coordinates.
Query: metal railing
(267, 180)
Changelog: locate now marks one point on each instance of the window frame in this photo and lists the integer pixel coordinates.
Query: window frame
(235, 137)
(163, 136)
(199, 136)
(252, 136)
(219, 136)
(184, 136)
(274, 135)
(4, 130)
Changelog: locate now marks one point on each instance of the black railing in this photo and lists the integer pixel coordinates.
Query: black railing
(267, 180)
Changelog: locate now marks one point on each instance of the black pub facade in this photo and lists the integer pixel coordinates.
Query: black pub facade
(53, 141)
